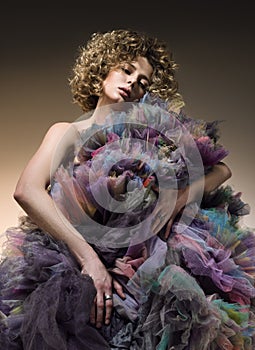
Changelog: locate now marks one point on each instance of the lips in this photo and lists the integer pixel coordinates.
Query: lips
(124, 92)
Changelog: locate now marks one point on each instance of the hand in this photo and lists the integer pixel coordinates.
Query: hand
(104, 284)
(170, 204)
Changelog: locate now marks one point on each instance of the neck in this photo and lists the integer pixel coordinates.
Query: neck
(102, 111)
(100, 114)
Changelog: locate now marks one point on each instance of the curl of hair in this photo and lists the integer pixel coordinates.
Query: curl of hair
(105, 51)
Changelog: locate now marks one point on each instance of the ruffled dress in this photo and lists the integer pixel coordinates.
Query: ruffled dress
(191, 290)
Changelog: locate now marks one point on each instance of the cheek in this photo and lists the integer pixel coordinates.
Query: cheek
(112, 77)
(107, 85)
(140, 93)
(111, 80)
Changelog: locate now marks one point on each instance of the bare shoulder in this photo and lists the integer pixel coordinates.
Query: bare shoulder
(59, 130)
(74, 127)
(64, 134)
(59, 127)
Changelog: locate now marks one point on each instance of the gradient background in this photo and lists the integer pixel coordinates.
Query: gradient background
(213, 41)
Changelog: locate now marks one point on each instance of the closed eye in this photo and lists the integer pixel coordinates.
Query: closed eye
(143, 86)
(126, 70)
(142, 82)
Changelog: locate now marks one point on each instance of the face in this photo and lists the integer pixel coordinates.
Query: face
(126, 83)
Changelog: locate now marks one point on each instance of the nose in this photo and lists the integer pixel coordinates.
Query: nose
(131, 80)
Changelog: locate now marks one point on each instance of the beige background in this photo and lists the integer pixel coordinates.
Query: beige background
(212, 41)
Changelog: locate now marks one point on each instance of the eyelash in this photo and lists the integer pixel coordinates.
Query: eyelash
(127, 71)
(144, 87)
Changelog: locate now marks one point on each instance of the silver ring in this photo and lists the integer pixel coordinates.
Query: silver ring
(107, 297)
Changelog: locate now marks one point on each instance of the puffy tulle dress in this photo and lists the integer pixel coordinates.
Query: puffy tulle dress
(193, 289)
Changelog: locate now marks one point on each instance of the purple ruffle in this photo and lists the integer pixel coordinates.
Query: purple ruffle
(195, 291)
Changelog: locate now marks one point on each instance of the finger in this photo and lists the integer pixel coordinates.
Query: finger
(119, 289)
(108, 308)
(93, 312)
(99, 310)
(168, 229)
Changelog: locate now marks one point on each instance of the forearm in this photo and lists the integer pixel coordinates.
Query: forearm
(32, 196)
(219, 174)
(195, 191)
(42, 210)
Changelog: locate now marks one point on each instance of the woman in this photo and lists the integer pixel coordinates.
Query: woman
(60, 290)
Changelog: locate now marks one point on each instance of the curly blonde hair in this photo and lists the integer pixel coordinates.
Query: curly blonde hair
(105, 51)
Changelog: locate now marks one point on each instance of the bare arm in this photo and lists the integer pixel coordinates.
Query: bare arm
(216, 177)
(32, 196)
(192, 193)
